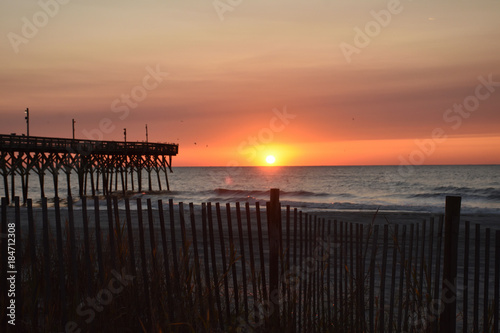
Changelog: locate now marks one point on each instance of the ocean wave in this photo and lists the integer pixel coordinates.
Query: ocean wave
(488, 193)
(352, 206)
(452, 189)
(230, 192)
(263, 193)
(425, 195)
(305, 194)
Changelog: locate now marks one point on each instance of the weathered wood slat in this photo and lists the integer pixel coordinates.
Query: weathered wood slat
(496, 307)
(486, 275)
(224, 260)
(477, 262)
(61, 265)
(465, 314)
(215, 273)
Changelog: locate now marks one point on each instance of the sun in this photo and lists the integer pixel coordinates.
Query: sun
(270, 159)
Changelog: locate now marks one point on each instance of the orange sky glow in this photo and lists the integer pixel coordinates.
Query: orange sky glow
(309, 82)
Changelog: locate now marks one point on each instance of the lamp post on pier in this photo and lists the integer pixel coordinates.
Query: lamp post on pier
(27, 117)
(24, 175)
(125, 135)
(146, 132)
(73, 126)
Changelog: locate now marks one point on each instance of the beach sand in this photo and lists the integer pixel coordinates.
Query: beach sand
(392, 217)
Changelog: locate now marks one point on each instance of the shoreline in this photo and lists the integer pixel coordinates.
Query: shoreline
(390, 217)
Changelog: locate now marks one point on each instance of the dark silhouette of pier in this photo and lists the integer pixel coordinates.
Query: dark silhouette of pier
(101, 163)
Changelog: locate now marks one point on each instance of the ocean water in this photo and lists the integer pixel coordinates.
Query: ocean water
(388, 188)
(345, 188)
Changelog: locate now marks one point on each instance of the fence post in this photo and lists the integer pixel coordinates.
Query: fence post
(274, 230)
(449, 285)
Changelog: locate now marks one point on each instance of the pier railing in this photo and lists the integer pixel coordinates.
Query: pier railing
(143, 265)
(61, 145)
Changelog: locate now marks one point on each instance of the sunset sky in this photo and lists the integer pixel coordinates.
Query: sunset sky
(318, 82)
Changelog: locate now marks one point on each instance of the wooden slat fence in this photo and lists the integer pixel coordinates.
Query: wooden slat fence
(173, 267)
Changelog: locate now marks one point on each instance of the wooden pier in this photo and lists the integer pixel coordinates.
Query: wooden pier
(100, 163)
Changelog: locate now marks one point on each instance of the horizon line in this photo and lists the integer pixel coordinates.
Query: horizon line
(327, 165)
